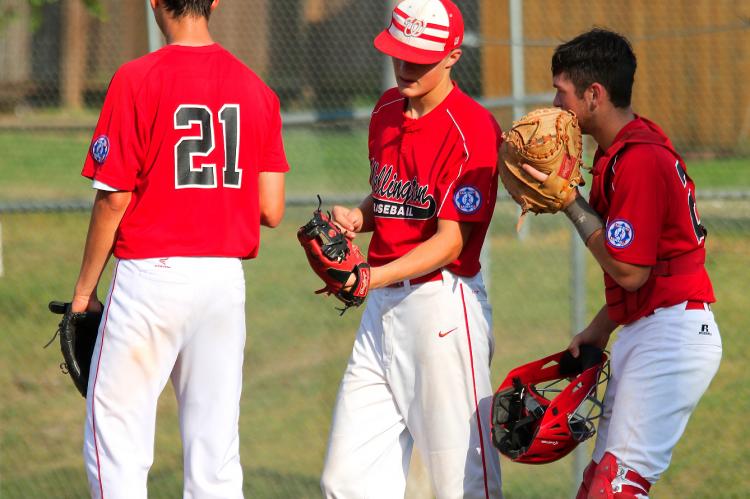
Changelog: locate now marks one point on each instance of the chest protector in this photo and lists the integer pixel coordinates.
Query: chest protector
(625, 306)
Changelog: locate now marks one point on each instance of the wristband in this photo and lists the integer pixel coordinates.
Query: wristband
(584, 218)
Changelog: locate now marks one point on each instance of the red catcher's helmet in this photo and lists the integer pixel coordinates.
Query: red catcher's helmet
(537, 424)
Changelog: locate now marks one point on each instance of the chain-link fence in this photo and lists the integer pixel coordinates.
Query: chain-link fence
(318, 56)
(55, 62)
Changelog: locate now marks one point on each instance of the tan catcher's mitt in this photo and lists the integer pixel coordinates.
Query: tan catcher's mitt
(549, 140)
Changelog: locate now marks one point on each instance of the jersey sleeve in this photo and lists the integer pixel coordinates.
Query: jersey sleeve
(117, 148)
(471, 190)
(274, 157)
(638, 198)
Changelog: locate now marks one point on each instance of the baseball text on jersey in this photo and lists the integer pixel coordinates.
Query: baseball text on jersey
(398, 198)
(440, 166)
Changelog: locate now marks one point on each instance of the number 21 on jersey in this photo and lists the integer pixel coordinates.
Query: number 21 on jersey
(187, 175)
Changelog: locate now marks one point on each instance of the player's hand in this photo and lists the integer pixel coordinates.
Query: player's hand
(589, 336)
(86, 303)
(349, 220)
(350, 282)
(542, 177)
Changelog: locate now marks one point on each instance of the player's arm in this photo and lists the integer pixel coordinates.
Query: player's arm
(629, 276)
(354, 220)
(109, 207)
(436, 252)
(272, 201)
(597, 333)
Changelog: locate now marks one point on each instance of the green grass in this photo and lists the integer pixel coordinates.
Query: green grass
(297, 350)
(298, 345)
(727, 173)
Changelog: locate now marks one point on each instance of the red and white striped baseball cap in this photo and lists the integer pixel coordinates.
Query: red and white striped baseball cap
(422, 31)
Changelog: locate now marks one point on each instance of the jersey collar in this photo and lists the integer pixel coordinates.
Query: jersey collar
(414, 124)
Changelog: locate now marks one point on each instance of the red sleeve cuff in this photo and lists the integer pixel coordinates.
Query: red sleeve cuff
(628, 258)
(278, 168)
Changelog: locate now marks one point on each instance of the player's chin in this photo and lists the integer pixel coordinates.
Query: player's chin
(584, 124)
(409, 89)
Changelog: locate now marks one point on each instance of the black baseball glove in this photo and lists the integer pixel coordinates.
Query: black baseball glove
(334, 258)
(77, 338)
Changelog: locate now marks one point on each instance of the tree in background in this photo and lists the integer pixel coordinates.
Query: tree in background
(76, 15)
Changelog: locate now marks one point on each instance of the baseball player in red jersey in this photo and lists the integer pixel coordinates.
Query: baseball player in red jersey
(419, 369)
(642, 226)
(188, 161)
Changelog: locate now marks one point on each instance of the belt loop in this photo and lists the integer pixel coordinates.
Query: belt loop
(407, 284)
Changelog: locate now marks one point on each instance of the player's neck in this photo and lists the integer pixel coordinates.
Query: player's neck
(420, 106)
(190, 31)
(610, 125)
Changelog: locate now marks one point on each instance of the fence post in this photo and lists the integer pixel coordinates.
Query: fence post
(2, 269)
(518, 76)
(577, 322)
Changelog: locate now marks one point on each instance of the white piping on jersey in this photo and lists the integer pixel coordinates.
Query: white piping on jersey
(388, 104)
(614, 162)
(466, 150)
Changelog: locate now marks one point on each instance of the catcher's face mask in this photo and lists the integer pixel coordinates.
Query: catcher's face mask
(537, 424)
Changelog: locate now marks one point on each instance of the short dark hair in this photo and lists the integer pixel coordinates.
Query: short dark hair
(602, 56)
(181, 8)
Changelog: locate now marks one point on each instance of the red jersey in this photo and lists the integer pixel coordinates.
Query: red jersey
(441, 165)
(187, 130)
(642, 189)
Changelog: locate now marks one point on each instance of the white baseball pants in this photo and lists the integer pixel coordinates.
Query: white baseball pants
(418, 375)
(168, 318)
(660, 367)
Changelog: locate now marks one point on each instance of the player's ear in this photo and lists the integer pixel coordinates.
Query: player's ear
(452, 58)
(214, 4)
(595, 95)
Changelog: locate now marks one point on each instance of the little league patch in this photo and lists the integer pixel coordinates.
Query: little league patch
(620, 234)
(467, 200)
(100, 149)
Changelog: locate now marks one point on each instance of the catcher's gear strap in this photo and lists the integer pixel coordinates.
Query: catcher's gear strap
(686, 263)
(612, 480)
(588, 357)
(584, 218)
(588, 476)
